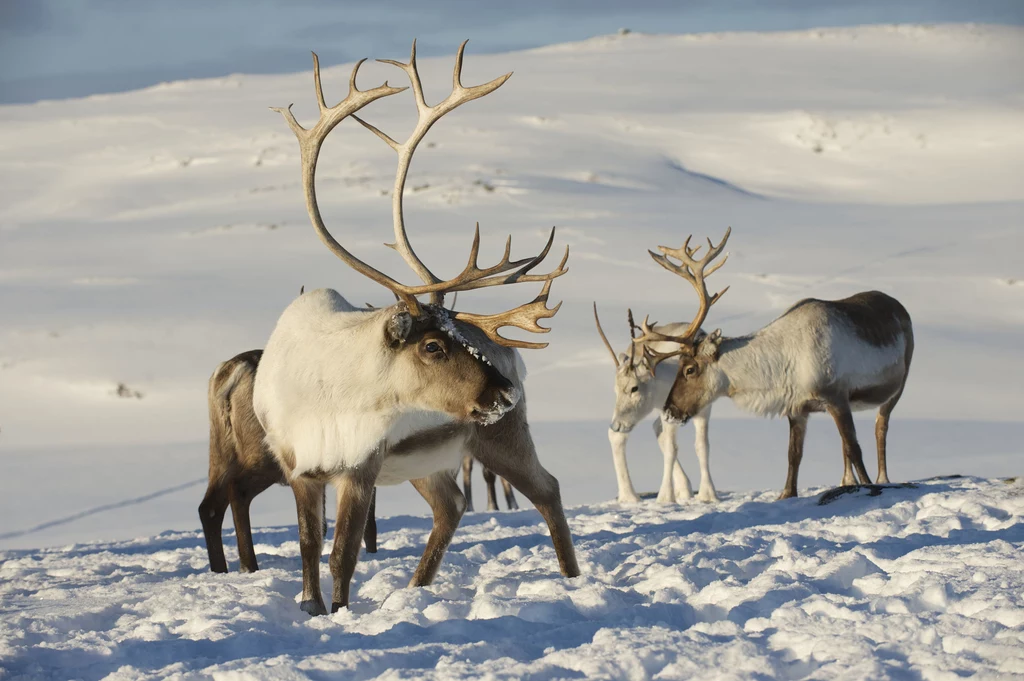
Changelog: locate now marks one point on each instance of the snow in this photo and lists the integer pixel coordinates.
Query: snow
(149, 235)
(926, 578)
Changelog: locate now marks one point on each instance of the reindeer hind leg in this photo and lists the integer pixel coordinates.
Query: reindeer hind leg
(510, 496)
(852, 455)
(211, 516)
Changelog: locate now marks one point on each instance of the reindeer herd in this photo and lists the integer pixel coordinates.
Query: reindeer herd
(358, 397)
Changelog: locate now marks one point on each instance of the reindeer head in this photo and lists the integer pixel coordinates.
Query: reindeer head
(436, 367)
(695, 384)
(635, 393)
(432, 365)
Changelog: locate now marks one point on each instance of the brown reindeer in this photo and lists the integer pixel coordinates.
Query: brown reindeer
(360, 398)
(241, 465)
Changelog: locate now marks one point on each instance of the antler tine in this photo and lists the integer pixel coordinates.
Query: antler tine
(310, 142)
(597, 320)
(428, 115)
(648, 336)
(693, 271)
(524, 317)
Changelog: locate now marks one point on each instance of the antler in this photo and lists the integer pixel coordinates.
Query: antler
(597, 320)
(692, 271)
(524, 317)
(648, 336)
(310, 141)
(472, 276)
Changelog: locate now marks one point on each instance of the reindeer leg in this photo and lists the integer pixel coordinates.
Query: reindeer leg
(370, 533)
(841, 414)
(702, 446)
(492, 495)
(881, 433)
(240, 494)
(667, 442)
(355, 492)
(448, 504)
(211, 515)
(510, 496)
(309, 503)
(507, 448)
(627, 494)
(797, 432)
(467, 481)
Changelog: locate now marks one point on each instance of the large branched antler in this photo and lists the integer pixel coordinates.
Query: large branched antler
(694, 272)
(472, 276)
(524, 317)
(310, 142)
(506, 271)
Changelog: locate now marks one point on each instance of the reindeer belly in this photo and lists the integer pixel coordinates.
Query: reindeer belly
(870, 397)
(423, 454)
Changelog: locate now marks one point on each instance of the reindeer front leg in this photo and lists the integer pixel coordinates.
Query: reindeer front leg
(627, 494)
(702, 445)
(355, 490)
(309, 496)
(675, 486)
(448, 504)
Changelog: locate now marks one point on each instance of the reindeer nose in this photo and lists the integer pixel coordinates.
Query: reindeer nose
(508, 398)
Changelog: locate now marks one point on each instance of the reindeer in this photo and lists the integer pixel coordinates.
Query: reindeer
(834, 356)
(358, 398)
(641, 386)
(241, 465)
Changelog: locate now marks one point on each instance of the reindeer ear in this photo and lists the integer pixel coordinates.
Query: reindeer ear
(398, 326)
(708, 348)
(623, 358)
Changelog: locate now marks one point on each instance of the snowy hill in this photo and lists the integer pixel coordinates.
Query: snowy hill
(863, 588)
(146, 236)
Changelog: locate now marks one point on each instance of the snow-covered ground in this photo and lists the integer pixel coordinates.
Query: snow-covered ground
(915, 583)
(146, 236)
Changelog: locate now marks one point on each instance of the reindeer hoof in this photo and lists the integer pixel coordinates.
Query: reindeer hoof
(665, 499)
(786, 494)
(313, 608)
(632, 499)
(335, 607)
(708, 496)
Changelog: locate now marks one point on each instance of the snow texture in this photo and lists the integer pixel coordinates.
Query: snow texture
(867, 587)
(147, 236)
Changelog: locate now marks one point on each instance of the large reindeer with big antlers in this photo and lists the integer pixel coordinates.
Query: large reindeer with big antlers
(641, 386)
(358, 398)
(834, 356)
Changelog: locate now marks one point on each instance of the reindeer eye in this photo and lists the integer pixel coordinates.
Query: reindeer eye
(690, 370)
(433, 347)
(634, 388)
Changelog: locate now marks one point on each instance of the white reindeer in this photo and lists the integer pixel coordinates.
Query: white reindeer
(641, 386)
(358, 398)
(834, 356)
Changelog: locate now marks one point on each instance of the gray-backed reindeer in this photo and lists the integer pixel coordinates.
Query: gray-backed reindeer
(641, 386)
(833, 356)
(358, 398)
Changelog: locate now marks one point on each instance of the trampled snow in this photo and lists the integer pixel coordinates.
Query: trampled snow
(147, 236)
(926, 578)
